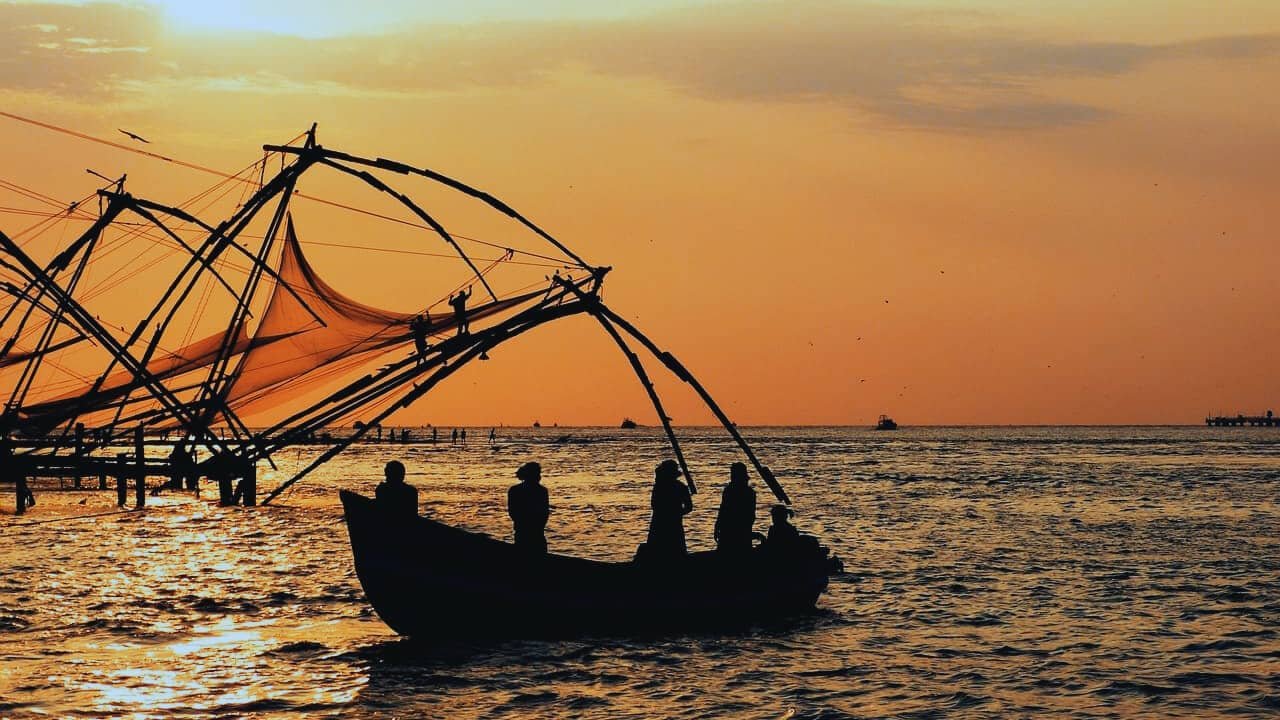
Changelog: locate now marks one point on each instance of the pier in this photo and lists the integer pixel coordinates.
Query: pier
(1268, 420)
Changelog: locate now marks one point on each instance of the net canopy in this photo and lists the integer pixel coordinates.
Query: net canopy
(308, 334)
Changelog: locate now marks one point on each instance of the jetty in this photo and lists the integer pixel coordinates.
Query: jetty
(1268, 420)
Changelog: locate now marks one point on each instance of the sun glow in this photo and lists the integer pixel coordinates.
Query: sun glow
(285, 18)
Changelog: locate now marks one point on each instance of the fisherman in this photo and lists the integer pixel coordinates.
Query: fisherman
(398, 498)
(737, 513)
(420, 326)
(181, 466)
(463, 435)
(493, 436)
(454, 440)
(528, 506)
(459, 303)
(670, 502)
(783, 535)
(9, 471)
(435, 433)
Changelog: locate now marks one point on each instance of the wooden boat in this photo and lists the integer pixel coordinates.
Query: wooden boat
(886, 423)
(628, 424)
(428, 580)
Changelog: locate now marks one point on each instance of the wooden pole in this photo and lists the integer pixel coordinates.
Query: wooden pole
(140, 457)
(653, 397)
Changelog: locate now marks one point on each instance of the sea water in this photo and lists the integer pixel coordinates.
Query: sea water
(991, 572)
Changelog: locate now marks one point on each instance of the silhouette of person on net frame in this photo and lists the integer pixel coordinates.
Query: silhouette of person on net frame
(397, 497)
(529, 507)
(459, 303)
(420, 326)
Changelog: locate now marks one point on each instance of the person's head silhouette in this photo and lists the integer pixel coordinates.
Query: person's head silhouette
(667, 470)
(394, 472)
(530, 472)
(780, 514)
(738, 473)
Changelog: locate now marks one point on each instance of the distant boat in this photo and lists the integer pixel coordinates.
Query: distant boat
(886, 423)
(537, 424)
(629, 424)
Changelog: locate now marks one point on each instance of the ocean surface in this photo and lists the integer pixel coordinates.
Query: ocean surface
(992, 572)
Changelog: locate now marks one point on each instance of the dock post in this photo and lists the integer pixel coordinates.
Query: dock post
(140, 456)
(79, 454)
(251, 485)
(122, 479)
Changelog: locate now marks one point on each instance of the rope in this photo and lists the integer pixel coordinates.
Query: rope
(219, 173)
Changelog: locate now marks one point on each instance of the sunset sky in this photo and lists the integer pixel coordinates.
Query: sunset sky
(948, 211)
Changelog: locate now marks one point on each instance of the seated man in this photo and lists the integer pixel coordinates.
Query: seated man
(782, 534)
(529, 507)
(396, 496)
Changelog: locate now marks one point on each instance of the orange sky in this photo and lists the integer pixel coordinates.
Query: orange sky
(1069, 209)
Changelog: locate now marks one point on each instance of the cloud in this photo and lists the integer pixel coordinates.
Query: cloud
(906, 68)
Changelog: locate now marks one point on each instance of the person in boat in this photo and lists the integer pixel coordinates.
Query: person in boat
(529, 507)
(737, 512)
(420, 326)
(670, 502)
(396, 496)
(459, 304)
(782, 534)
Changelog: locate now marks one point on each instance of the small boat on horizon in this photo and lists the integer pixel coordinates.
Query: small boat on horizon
(628, 424)
(886, 423)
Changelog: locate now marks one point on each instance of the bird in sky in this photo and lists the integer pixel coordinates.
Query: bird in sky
(134, 136)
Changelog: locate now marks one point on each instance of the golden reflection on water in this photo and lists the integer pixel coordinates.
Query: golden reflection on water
(1018, 577)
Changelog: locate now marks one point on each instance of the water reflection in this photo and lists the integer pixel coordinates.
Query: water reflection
(994, 572)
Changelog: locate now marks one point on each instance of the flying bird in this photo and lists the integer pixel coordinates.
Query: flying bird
(134, 136)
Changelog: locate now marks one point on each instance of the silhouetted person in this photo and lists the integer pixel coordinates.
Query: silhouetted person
(670, 502)
(181, 466)
(420, 326)
(459, 303)
(737, 512)
(528, 506)
(397, 497)
(434, 434)
(23, 497)
(463, 434)
(493, 436)
(783, 535)
(454, 439)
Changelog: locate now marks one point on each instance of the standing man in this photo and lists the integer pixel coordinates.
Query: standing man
(528, 506)
(420, 326)
(670, 502)
(459, 303)
(737, 513)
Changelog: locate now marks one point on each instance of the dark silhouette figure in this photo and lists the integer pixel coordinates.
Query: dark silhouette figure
(528, 506)
(420, 326)
(783, 536)
(737, 512)
(397, 497)
(463, 435)
(435, 433)
(459, 304)
(24, 498)
(454, 440)
(181, 467)
(670, 502)
(493, 436)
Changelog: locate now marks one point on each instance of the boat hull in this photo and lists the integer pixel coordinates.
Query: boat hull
(426, 579)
